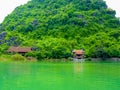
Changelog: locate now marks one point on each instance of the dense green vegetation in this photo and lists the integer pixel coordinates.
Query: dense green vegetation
(55, 27)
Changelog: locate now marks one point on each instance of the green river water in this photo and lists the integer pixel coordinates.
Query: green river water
(59, 76)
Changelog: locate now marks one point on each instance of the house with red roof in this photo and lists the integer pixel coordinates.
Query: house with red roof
(78, 54)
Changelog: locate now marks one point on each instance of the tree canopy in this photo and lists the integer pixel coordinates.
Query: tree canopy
(56, 27)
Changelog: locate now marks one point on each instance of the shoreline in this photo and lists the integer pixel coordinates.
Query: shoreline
(10, 58)
(100, 59)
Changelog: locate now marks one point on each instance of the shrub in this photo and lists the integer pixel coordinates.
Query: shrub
(30, 54)
(18, 57)
(38, 55)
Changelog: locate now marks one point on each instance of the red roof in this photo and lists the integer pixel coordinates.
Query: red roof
(78, 52)
(20, 49)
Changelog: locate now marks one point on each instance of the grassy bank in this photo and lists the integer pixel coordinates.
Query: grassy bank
(17, 57)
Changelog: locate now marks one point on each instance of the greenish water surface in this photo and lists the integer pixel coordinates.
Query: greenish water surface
(59, 76)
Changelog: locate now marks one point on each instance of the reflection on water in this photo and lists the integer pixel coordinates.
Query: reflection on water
(17, 69)
(78, 67)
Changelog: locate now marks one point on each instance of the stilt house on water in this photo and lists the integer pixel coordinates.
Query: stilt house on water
(78, 54)
(20, 50)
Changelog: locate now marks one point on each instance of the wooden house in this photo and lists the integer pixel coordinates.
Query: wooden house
(20, 50)
(78, 54)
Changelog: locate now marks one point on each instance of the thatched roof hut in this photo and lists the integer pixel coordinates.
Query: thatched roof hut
(21, 50)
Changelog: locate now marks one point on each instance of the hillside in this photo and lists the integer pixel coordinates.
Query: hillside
(55, 27)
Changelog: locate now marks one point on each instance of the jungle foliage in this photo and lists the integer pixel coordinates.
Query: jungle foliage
(55, 27)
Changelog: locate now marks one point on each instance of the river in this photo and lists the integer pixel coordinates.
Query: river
(59, 76)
